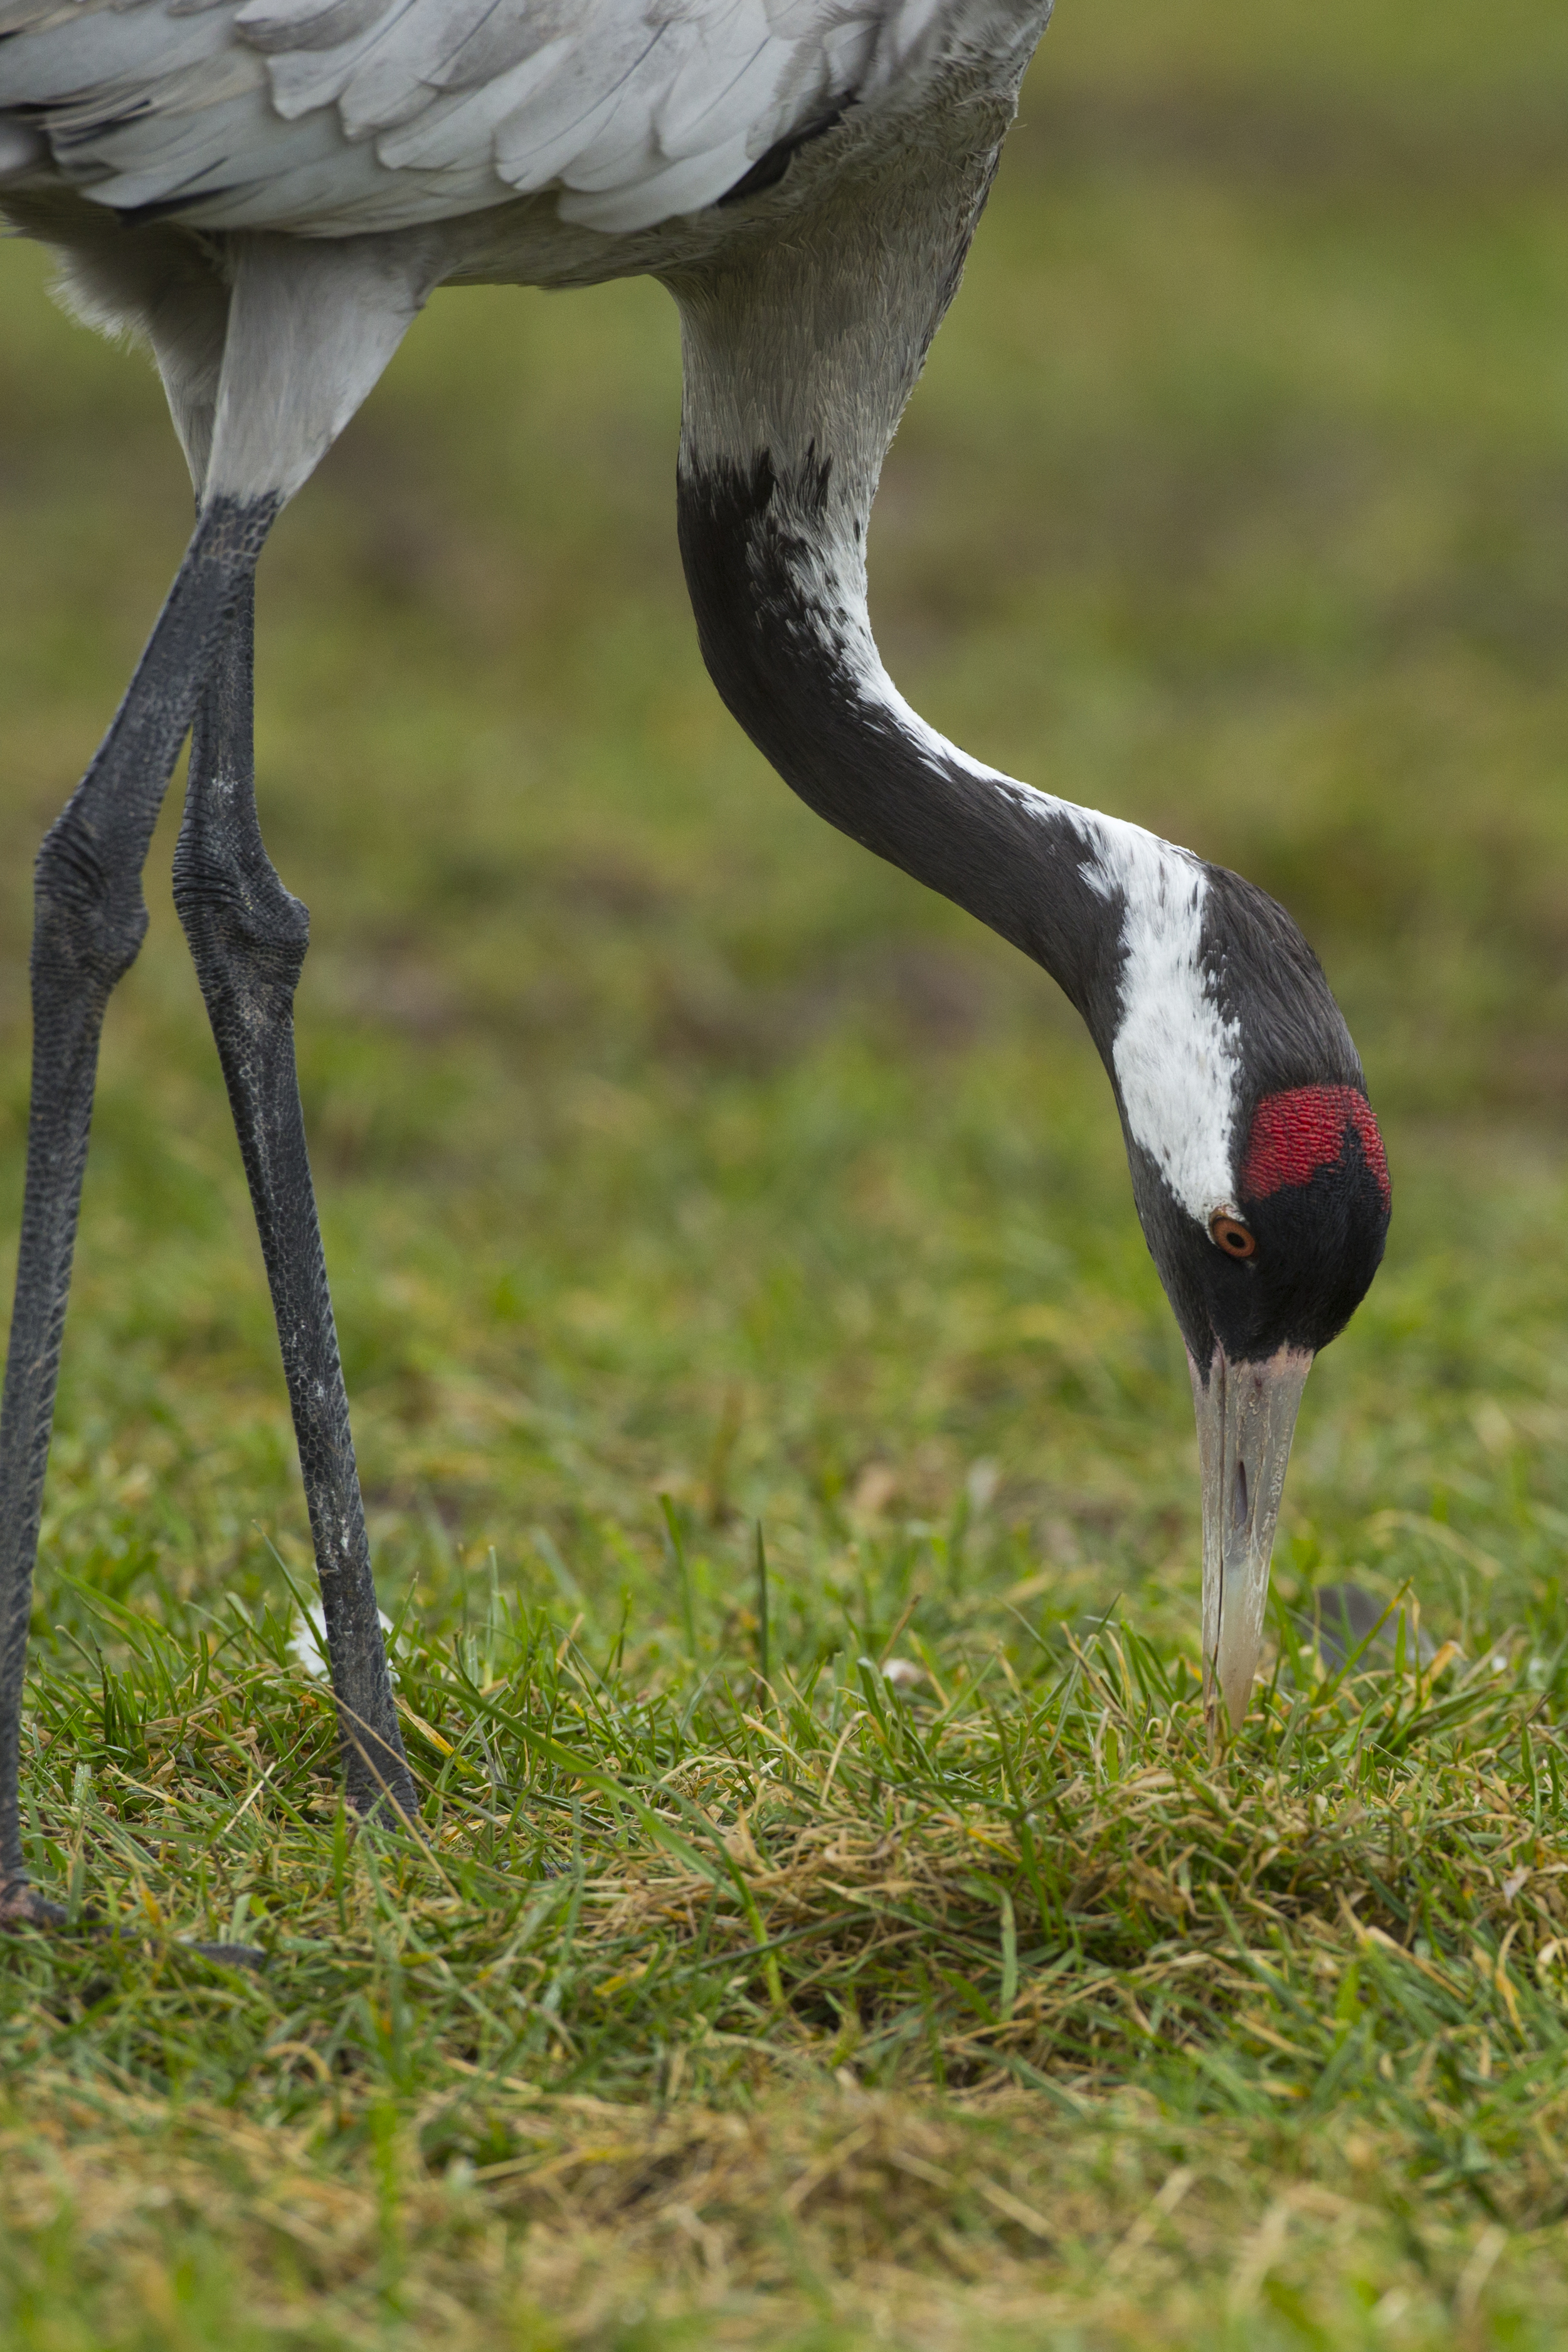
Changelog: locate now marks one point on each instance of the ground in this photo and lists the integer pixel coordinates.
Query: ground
(693, 1184)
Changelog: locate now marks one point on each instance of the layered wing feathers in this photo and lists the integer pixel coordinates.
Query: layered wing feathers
(331, 116)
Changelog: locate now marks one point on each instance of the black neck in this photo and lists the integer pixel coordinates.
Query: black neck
(775, 571)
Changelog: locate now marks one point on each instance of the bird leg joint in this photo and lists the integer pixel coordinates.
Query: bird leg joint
(244, 927)
(247, 934)
(89, 916)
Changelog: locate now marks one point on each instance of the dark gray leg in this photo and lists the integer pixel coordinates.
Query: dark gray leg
(89, 921)
(247, 938)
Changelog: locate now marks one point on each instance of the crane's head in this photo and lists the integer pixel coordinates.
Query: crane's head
(1262, 1185)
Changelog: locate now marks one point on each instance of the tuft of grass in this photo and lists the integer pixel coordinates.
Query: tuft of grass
(684, 1952)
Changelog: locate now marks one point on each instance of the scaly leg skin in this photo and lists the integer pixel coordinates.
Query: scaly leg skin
(89, 921)
(247, 939)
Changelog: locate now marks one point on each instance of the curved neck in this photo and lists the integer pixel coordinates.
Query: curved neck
(776, 565)
(777, 572)
(801, 349)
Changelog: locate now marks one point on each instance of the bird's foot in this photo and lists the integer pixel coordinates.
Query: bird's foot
(227, 1956)
(22, 1906)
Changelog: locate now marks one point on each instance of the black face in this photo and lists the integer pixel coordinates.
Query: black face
(1308, 1214)
(1311, 1246)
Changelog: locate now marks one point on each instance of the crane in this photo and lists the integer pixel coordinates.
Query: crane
(266, 193)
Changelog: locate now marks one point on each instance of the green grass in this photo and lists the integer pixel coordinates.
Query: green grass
(683, 1170)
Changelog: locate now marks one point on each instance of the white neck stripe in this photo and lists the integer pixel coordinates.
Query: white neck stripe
(1176, 1056)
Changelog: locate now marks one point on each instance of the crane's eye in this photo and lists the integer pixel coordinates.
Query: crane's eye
(1228, 1233)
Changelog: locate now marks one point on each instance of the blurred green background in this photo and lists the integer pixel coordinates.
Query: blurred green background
(665, 1142)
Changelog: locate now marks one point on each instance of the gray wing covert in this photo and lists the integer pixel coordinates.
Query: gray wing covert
(330, 116)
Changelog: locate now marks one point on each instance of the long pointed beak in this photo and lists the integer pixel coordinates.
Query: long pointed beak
(1247, 1417)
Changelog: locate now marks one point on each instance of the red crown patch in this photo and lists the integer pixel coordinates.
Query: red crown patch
(1295, 1134)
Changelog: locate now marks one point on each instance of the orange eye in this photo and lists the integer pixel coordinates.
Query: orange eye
(1228, 1233)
